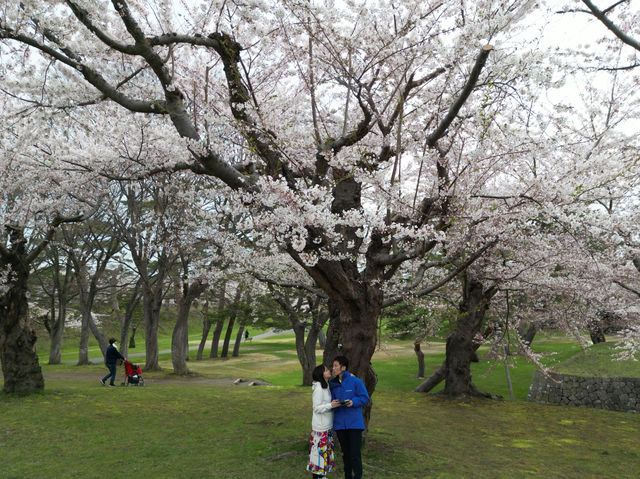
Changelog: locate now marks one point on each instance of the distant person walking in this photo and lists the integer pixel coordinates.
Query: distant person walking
(321, 459)
(246, 335)
(347, 421)
(111, 362)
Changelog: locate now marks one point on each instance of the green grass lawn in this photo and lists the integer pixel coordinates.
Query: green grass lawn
(201, 426)
(599, 360)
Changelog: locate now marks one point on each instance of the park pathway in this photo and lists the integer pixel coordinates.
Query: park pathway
(141, 354)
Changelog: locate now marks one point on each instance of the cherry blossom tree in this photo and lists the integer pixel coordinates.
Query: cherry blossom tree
(35, 201)
(356, 116)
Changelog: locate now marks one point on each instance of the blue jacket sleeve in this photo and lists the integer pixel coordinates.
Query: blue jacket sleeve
(362, 396)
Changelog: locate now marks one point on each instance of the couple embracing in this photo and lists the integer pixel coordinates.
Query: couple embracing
(337, 406)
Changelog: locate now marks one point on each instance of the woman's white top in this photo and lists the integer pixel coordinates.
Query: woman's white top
(322, 419)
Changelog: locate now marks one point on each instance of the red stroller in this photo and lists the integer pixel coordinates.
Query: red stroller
(133, 374)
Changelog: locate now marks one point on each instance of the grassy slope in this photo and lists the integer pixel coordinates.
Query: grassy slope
(191, 428)
(599, 360)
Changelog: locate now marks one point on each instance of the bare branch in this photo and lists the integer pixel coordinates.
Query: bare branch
(464, 94)
(73, 60)
(459, 269)
(627, 287)
(57, 221)
(82, 15)
(601, 15)
(304, 287)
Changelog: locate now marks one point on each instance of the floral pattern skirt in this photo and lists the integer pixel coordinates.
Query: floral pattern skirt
(321, 452)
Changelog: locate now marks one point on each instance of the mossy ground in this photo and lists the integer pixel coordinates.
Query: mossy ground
(201, 426)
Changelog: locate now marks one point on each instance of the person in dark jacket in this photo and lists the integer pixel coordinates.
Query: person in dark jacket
(347, 419)
(111, 361)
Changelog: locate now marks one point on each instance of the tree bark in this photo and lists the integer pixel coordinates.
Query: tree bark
(215, 340)
(56, 334)
(180, 336)
(180, 340)
(420, 356)
(83, 348)
(232, 320)
(527, 332)
(58, 319)
(128, 342)
(227, 337)
(433, 380)
(353, 325)
(20, 365)
(86, 302)
(322, 339)
(460, 344)
(93, 326)
(306, 351)
(206, 320)
(236, 346)
(151, 303)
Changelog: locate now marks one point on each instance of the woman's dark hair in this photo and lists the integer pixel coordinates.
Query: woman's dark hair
(318, 375)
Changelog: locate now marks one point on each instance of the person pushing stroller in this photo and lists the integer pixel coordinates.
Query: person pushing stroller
(111, 357)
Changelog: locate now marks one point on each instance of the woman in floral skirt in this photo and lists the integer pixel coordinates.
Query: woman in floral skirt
(321, 441)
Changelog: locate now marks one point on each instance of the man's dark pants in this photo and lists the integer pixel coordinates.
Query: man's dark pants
(350, 443)
(112, 367)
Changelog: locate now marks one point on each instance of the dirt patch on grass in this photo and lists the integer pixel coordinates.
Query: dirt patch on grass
(160, 378)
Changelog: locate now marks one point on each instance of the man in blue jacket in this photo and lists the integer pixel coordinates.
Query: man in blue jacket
(347, 419)
(110, 361)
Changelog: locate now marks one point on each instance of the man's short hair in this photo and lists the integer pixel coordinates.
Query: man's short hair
(112, 340)
(343, 361)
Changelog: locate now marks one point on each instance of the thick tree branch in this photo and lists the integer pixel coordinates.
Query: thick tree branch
(4, 253)
(402, 256)
(281, 284)
(73, 60)
(459, 269)
(628, 288)
(354, 136)
(57, 221)
(464, 94)
(600, 15)
(83, 16)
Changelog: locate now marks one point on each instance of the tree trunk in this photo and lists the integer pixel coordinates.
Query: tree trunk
(132, 338)
(322, 339)
(57, 325)
(180, 339)
(332, 346)
(527, 332)
(20, 366)
(56, 334)
(102, 341)
(206, 324)
(236, 347)
(215, 340)
(435, 379)
(227, 337)
(306, 354)
(151, 303)
(83, 350)
(460, 344)
(420, 356)
(206, 327)
(356, 318)
(232, 320)
(88, 290)
(128, 342)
